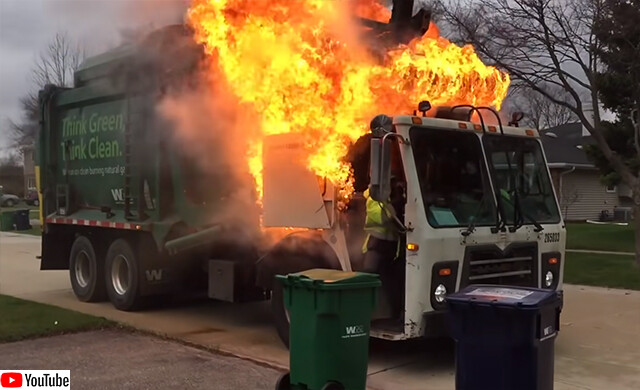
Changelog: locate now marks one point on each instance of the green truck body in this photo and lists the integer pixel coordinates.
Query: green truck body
(105, 148)
(109, 167)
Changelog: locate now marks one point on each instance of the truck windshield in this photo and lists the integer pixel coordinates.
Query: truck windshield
(453, 178)
(526, 183)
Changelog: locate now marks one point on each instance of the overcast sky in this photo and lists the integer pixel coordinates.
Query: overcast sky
(26, 26)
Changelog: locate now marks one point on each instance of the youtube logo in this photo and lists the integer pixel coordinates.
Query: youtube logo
(35, 379)
(11, 379)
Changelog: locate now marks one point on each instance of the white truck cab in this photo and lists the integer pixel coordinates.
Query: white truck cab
(480, 209)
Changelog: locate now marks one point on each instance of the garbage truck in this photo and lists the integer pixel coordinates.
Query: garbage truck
(130, 215)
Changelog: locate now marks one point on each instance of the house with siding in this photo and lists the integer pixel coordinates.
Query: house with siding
(576, 180)
(28, 154)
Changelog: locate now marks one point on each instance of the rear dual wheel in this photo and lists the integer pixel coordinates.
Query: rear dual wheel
(122, 271)
(116, 275)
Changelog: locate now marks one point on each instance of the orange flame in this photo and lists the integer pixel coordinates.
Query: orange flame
(300, 65)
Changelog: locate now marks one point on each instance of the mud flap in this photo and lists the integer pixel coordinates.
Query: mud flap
(55, 248)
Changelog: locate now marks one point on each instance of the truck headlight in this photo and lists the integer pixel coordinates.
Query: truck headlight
(548, 279)
(440, 293)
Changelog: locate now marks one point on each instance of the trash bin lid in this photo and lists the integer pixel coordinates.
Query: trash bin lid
(512, 296)
(331, 279)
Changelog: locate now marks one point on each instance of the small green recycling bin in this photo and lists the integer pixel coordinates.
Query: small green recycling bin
(330, 313)
(7, 220)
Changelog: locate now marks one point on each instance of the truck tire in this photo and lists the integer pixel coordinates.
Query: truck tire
(122, 275)
(280, 313)
(86, 271)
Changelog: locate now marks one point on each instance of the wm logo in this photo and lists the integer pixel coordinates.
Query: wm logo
(153, 275)
(118, 194)
(354, 329)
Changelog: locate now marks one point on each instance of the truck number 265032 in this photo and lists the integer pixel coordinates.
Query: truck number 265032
(551, 237)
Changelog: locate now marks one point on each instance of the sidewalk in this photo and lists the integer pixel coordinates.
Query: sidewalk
(600, 252)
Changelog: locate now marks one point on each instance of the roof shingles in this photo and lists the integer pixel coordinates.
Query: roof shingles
(565, 147)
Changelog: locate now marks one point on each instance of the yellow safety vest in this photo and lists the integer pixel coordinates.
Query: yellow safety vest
(379, 222)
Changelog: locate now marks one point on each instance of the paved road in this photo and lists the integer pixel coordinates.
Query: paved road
(114, 360)
(598, 347)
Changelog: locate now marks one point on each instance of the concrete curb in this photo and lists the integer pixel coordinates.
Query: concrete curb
(600, 252)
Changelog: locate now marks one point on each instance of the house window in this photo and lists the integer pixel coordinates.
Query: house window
(612, 188)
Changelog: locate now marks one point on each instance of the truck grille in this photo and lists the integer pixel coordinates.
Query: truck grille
(516, 266)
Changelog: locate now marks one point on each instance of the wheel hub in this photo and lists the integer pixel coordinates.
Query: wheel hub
(120, 275)
(82, 269)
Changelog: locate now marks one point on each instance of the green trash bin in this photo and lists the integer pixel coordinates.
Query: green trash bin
(7, 220)
(330, 313)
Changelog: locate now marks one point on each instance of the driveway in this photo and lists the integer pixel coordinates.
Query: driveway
(114, 360)
(598, 347)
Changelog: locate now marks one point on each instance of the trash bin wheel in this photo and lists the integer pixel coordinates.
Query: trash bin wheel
(284, 383)
(332, 386)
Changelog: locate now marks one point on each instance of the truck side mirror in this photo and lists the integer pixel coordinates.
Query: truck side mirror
(424, 106)
(380, 187)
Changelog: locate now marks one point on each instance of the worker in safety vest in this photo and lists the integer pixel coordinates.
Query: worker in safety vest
(382, 248)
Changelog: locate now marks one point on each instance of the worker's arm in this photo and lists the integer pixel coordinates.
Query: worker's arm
(392, 217)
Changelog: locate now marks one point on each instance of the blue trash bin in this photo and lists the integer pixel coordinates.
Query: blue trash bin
(505, 337)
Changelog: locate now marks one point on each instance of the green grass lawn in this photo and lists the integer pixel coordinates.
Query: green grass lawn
(600, 237)
(34, 211)
(617, 271)
(22, 319)
(20, 206)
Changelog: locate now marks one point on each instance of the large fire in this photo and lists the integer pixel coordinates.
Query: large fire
(301, 67)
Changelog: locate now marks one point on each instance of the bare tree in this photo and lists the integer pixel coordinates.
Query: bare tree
(540, 112)
(547, 45)
(55, 65)
(569, 196)
(10, 160)
(58, 62)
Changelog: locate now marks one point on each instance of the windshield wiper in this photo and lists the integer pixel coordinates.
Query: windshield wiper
(518, 221)
(471, 227)
(501, 219)
(538, 227)
(500, 214)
